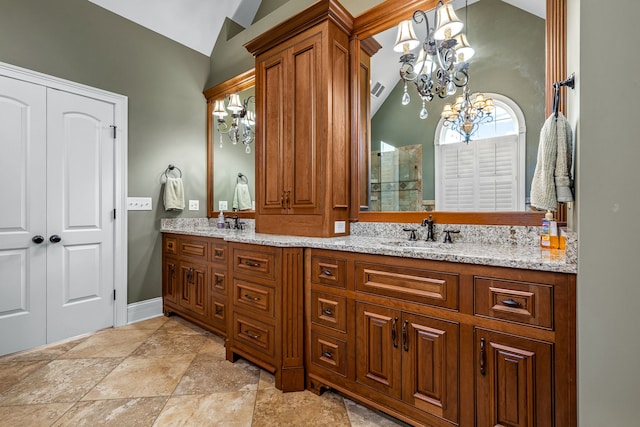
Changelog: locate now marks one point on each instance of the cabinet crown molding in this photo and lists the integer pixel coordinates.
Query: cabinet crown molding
(323, 10)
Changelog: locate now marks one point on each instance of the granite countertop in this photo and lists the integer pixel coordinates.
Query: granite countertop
(530, 257)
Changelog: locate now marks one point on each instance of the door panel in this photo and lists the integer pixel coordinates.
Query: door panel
(377, 353)
(80, 195)
(430, 365)
(22, 262)
(514, 381)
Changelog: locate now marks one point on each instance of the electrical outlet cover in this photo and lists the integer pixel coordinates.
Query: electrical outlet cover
(194, 205)
(222, 205)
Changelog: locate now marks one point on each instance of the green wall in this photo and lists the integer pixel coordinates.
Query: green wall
(79, 41)
(509, 60)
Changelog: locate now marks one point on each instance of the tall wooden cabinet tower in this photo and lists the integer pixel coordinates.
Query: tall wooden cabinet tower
(303, 131)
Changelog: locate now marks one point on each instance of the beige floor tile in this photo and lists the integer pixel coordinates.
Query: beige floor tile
(218, 409)
(360, 416)
(152, 324)
(210, 374)
(12, 373)
(164, 342)
(267, 380)
(177, 325)
(59, 381)
(109, 343)
(48, 352)
(142, 376)
(214, 344)
(32, 415)
(274, 408)
(139, 412)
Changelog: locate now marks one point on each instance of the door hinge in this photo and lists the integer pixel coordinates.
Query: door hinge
(114, 294)
(114, 128)
(114, 214)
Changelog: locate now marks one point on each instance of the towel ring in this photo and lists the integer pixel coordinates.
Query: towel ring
(242, 177)
(172, 168)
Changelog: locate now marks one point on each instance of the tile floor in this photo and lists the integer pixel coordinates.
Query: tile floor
(159, 372)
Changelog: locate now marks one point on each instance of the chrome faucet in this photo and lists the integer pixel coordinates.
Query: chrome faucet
(412, 235)
(429, 223)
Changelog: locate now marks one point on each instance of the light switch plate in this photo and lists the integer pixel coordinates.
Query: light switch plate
(194, 205)
(222, 205)
(139, 203)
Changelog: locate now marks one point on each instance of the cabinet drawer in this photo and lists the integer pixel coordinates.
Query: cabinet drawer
(254, 297)
(255, 263)
(329, 310)
(253, 335)
(328, 271)
(194, 248)
(218, 313)
(218, 250)
(422, 286)
(521, 302)
(170, 245)
(218, 281)
(329, 353)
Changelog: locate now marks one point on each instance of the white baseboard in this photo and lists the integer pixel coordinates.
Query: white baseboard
(143, 310)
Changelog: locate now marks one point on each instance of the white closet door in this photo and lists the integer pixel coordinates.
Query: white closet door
(80, 203)
(23, 215)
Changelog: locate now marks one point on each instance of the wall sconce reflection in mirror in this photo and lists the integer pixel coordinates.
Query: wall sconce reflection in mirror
(243, 119)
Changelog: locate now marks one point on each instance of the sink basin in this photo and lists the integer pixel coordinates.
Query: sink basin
(418, 244)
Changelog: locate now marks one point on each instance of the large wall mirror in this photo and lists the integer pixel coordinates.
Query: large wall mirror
(231, 146)
(519, 52)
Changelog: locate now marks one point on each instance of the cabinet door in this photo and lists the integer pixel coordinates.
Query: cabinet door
(193, 281)
(270, 158)
(514, 380)
(304, 123)
(170, 289)
(430, 365)
(378, 344)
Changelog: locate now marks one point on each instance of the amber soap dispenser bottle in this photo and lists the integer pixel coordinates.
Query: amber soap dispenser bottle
(549, 232)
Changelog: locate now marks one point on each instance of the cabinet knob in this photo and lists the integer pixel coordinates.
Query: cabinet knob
(55, 239)
(327, 354)
(37, 239)
(327, 311)
(511, 303)
(326, 272)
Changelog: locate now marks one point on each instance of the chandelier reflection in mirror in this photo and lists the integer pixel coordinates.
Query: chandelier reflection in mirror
(241, 128)
(441, 67)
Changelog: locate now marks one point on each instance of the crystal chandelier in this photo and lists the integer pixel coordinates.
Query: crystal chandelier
(242, 120)
(441, 66)
(465, 115)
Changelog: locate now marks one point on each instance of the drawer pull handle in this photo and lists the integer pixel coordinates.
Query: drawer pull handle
(327, 311)
(252, 264)
(219, 280)
(483, 356)
(252, 334)
(219, 253)
(511, 303)
(218, 310)
(394, 333)
(327, 354)
(172, 269)
(326, 272)
(251, 298)
(190, 275)
(405, 340)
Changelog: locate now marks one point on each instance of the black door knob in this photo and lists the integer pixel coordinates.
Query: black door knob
(37, 239)
(55, 238)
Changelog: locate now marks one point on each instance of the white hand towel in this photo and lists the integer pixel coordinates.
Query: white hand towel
(241, 197)
(173, 194)
(551, 182)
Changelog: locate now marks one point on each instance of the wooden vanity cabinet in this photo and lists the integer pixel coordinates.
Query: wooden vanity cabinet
(194, 280)
(265, 311)
(440, 344)
(302, 105)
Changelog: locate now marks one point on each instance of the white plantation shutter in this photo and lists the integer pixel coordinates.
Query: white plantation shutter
(483, 174)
